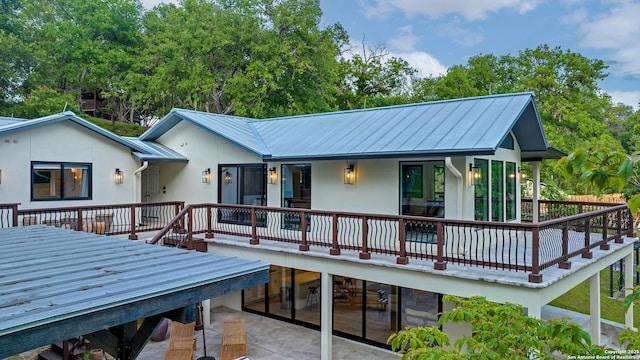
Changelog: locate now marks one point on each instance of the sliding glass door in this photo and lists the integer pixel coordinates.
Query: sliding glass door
(241, 185)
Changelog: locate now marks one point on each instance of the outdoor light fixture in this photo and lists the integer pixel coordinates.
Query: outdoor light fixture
(474, 174)
(273, 176)
(521, 174)
(118, 176)
(350, 175)
(206, 176)
(227, 177)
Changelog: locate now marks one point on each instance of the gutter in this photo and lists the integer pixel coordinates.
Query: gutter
(135, 185)
(458, 175)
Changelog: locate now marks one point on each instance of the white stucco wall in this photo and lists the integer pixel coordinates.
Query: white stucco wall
(64, 142)
(183, 181)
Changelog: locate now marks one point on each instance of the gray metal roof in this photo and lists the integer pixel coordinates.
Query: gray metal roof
(470, 126)
(67, 116)
(233, 128)
(155, 152)
(9, 120)
(56, 284)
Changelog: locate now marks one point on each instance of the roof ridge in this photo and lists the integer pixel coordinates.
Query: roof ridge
(474, 98)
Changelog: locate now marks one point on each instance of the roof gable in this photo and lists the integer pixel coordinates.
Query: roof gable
(67, 116)
(469, 126)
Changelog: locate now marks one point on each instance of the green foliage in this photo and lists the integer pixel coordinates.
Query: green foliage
(500, 331)
(43, 101)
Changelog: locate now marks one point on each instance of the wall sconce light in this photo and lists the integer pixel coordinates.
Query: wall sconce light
(118, 176)
(273, 176)
(521, 174)
(227, 177)
(350, 175)
(206, 176)
(475, 175)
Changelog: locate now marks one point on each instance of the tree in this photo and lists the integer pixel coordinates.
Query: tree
(78, 45)
(367, 78)
(255, 58)
(500, 331)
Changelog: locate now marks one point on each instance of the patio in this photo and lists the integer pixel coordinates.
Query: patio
(284, 341)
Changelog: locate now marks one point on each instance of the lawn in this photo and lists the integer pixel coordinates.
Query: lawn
(577, 299)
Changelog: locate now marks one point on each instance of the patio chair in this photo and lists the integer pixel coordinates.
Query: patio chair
(234, 339)
(182, 341)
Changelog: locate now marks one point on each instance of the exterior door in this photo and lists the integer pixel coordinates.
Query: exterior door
(152, 191)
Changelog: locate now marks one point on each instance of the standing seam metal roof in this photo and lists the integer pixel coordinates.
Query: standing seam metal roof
(62, 275)
(452, 127)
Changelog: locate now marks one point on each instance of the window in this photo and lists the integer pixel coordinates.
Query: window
(244, 185)
(497, 191)
(60, 181)
(482, 191)
(507, 143)
(511, 191)
(422, 188)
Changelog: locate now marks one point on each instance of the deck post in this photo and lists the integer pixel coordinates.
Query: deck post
(628, 286)
(619, 227)
(303, 227)
(402, 259)
(594, 309)
(587, 240)
(132, 235)
(209, 234)
(565, 263)
(535, 276)
(79, 221)
(364, 253)
(335, 249)
(605, 227)
(254, 231)
(326, 317)
(440, 264)
(14, 211)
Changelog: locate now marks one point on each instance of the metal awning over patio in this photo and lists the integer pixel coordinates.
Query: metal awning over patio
(56, 284)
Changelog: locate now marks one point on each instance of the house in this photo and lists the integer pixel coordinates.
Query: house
(367, 217)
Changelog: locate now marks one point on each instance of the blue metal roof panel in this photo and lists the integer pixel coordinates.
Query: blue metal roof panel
(233, 128)
(456, 126)
(62, 274)
(70, 116)
(156, 152)
(9, 120)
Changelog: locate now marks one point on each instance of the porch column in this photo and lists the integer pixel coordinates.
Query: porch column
(628, 284)
(206, 312)
(326, 311)
(536, 191)
(594, 309)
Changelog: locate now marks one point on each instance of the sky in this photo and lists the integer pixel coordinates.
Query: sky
(433, 35)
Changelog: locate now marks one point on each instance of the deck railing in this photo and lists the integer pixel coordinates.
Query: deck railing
(569, 229)
(511, 246)
(103, 219)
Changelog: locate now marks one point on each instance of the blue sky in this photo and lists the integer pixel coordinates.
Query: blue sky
(435, 34)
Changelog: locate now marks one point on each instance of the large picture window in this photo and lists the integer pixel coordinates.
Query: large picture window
(60, 181)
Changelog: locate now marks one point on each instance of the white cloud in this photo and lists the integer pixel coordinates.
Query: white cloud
(459, 34)
(426, 64)
(406, 41)
(577, 17)
(469, 9)
(619, 32)
(149, 4)
(631, 98)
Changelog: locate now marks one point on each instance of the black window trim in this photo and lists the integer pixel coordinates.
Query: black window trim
(61, 165)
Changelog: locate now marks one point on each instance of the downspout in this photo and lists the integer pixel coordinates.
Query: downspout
(137, 172)
(458, 175)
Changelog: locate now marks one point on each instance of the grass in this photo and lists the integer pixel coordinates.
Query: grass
(577, 299)
(119, 127)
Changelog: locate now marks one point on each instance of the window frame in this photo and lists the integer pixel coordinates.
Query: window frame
(62, 165)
